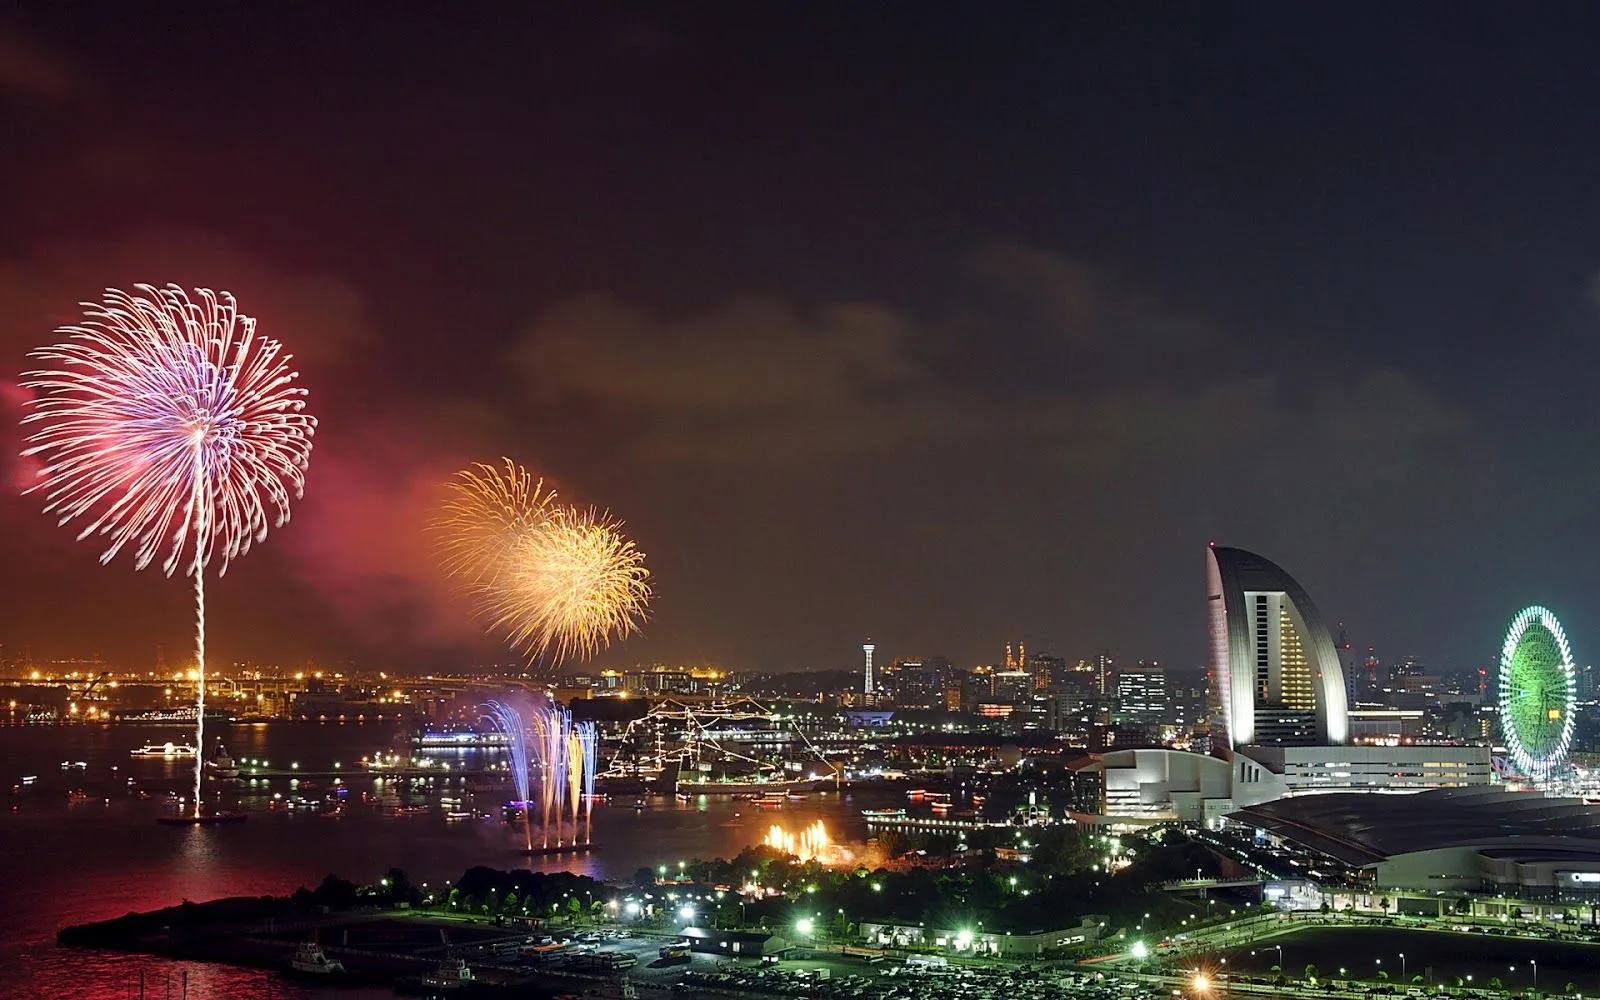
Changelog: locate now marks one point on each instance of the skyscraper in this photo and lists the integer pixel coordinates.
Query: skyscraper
(1142, 694)
(1270, 656)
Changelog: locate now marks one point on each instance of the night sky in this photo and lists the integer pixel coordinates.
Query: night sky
(946, 328)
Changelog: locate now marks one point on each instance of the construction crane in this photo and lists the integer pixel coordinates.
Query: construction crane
(88, 689)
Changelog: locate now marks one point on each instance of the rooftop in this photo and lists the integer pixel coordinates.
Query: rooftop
(1365, 828)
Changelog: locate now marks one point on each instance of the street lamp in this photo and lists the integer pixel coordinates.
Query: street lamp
(1535, 962)
(1402, 966)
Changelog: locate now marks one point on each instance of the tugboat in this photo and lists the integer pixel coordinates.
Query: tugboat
(453, 974)
(309, 959)
(222, 765)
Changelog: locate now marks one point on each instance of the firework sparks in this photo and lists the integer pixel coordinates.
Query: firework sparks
(556, 581)
(572, 586)
(167, 425)
(487, 512)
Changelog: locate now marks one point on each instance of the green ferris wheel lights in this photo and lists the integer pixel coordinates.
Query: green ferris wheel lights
(1538, 689)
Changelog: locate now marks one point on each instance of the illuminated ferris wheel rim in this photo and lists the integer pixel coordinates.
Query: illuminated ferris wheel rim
(1542, 765)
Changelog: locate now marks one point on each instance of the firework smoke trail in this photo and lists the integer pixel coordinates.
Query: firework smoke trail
(509, 721)
(169, 425)
(589, 739)
(570, 586)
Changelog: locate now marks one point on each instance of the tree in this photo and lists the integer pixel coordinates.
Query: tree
(1383, 904)
(1495, 984)
(1326, 907)
(1417, 980)
(1570, 989)
(397, 887)
(1383, 975)
(1311, 972)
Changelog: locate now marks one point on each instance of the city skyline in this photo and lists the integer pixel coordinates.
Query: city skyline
(993, 348)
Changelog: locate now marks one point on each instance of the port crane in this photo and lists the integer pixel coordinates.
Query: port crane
(88, 688)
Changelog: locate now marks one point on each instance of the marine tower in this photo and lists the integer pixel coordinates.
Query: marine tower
(1271, 661)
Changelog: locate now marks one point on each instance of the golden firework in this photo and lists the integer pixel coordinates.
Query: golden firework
(486, 513)
(554, 580)
(571, 586)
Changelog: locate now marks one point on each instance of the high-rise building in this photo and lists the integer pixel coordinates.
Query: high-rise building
(1350, 664)
(868, 689)
(1142, 694)
(1011, 686)
(917, 683)
(1270, 657)
(1104, 664)
(1049, 673)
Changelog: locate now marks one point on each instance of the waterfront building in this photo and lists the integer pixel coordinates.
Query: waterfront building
(1157, 785)
(1450, 841)
(1263, 773)
(977, 941)
(1271, 659)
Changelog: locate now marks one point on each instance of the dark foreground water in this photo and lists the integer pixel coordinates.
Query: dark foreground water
(103, 855)
(1360, 952)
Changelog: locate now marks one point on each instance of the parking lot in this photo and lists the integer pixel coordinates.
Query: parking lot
(898, 981)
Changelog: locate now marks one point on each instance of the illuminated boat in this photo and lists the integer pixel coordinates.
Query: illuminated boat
(222, 765)
(308, 959)
(168, 749)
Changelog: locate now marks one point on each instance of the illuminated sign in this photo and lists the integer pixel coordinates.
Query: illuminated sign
(1584, 876)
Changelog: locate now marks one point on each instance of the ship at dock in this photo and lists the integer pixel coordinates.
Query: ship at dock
(166, 716)
(737, 747)
(458, 738)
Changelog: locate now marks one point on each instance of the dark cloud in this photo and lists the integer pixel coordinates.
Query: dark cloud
(322, 319)
(33, 70)
(753, 379)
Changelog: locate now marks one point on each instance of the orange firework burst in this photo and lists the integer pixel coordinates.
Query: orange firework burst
(486, 513)
(571, 586)
(556, 581)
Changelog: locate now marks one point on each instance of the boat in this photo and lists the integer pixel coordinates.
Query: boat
(735, 823)
(222, 765)
(458, 739)
(166, 716)
(309, 959)
(452, 976)
(872, 814)
(204, 819)
(168, 749)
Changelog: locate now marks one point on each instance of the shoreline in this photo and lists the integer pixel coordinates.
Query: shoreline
(263, 932)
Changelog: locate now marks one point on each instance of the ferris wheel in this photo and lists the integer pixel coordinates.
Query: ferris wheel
(1538, 694)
